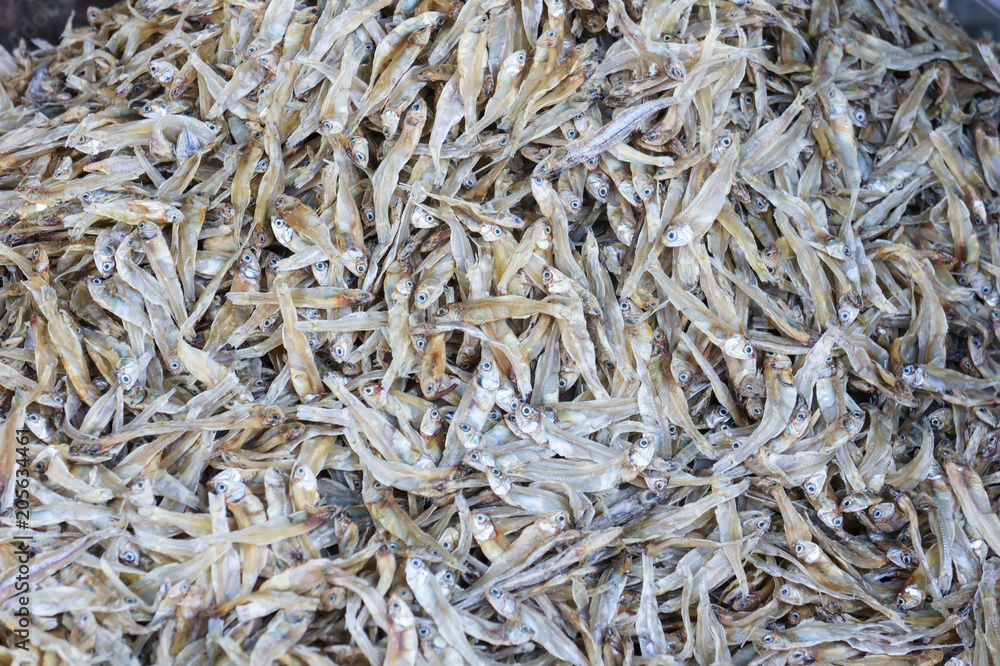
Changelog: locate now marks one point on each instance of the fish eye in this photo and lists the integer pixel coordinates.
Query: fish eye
(487, 366)
(441, 312)
(671, 235)
(96, 280)
(838, 521)
(684, 377)
(799, 548)
(435, 414)
(811, 488)
(423, 632)
(905, 559)
(495, 592)
(219, 487)
(672, 429)
(495, 471)
(465, 427)
(785, 591)
(768, 638)
(736, 444)
(643, 443)
(526, 410)
(440, 20)
(877, 514)
(421, 343)
(480, 517)
(571, 133)
(726, 141)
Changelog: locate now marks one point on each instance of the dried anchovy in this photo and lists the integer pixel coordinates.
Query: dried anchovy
(374, 332)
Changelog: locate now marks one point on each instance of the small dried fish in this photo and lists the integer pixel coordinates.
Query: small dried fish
(478, 333)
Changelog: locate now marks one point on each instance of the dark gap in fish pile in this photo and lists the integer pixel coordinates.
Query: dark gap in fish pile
(484, 332)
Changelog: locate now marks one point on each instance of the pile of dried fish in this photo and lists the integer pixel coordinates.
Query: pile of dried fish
(495, 332)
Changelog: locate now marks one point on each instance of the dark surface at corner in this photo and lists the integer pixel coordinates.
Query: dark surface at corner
(42, 19)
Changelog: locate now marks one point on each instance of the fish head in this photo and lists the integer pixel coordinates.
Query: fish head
(430, 422)
(807, 551)
(399, 613)
(913, 376)
(503, 601)
(899, 555)
(483, 528)
(640, 454)
(500, 484)
(775, 641)
(790, 593)
(738, 346)
(518, 633)
(529, 419)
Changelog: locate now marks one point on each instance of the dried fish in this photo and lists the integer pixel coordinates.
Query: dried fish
(588, 333)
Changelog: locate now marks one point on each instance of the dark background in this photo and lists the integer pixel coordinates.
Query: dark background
(44, 19)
